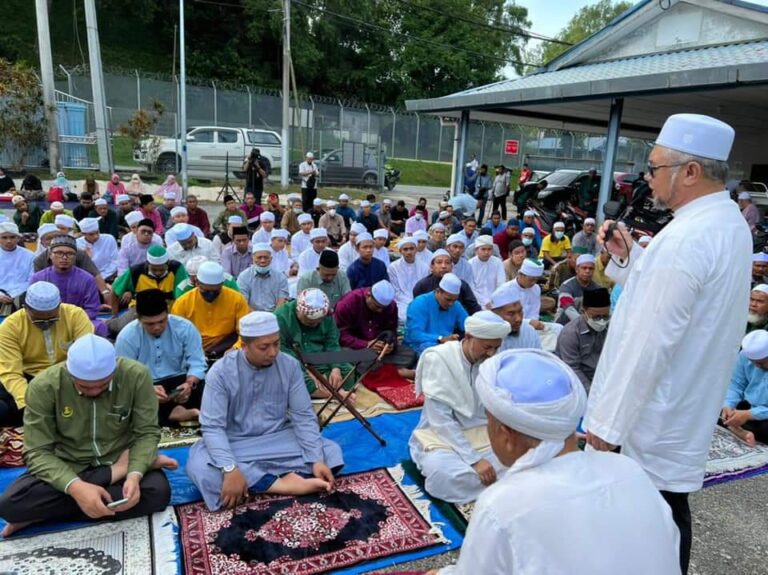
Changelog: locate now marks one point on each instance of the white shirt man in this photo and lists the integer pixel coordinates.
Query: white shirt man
(423, 253)
(310, 258)
(403, 275)
(101, 248)
(487, 270)
(17, 263)
(300, 241)
(660, 400)
(264, 233)
(188, 245)
(557, 509)
(347, 252)
(380, 250)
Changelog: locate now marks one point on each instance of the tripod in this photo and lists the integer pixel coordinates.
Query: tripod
(226, 188)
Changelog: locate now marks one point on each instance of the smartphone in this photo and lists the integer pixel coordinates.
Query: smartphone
(117, 503)
(174, 393)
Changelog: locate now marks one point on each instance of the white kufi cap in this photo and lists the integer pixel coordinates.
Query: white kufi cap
(267, 217)
(745, 196)
(504, 295)
(363, 237)
(761, 288)
(304, 219)
(133, 218)
(383, 292)
(210, 273)
(697, 135)
(258, 323)
(754, 346)
(532, 268)
(451, 284)
(9, 228)
(65, 221)
(88, 225)
(91, 358)
(584, 259)
(318, 233)
(381, 233)
(43, 296)
(483, 241)
(182, 231)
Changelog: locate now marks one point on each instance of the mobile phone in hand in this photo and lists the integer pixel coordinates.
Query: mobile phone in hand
(117, 503)
(174, 393)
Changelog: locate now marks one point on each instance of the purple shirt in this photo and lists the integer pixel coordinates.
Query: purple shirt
(77, 287)
(233, 262)
(130, 255)
(358, 324)
(412, 225)
(252, 214)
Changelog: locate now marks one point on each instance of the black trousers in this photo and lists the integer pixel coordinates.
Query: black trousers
(500, 204)
(681, 514)
(10, 414)
(308, 196)
(169, 384)
(758, 427)
(31, 499)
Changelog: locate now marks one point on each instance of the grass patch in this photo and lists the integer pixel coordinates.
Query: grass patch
(417, 173)
(122, 151)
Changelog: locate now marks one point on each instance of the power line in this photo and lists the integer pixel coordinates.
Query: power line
(498, 27)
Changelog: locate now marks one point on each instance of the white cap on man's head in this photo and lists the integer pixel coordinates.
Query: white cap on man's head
(343, 197)
(89, 225)
(365, 204)
(310, 155)
(439, 253)
(100, 202)
(528, 232)
(258, 323)
(483, 241)
(697, 135)
(589, 221)
(421, 236)
(381, 233)
(585, 259)
(235, 220)
(532, 268)
(387, 202)
(451, 284)
(281, 233)
(437, 227)
(505, 294)
(363, 237)
(761, 288)
(91, 358)
(169, 196)
(42, 296)
(178, 210)
(318, 233)
(266, 217)
(456, 239)
(529, 214)
(745, 196)
(122, 198)
(133, 218)
(210, 273)
(261, 247)
(383, 292)
(182, 231)
(317, 202)
(558, 225)
(65, 221)
(304, 219)
(57, 206)
(760, 257)
(754, 346)
(406, 241)
(9, 228)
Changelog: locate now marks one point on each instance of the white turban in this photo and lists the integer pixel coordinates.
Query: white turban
(178, 210)
(761, 257)
(440, 253)
(486, 325)
(304, 219)
(456, 239)
(357, 228)
(421, 236)
(261, 247)
(210, 273)
(318, 233)
(259, 323)
(535, 393)
(364, 237)
(585, 259)
(754, 346)
(65, 221)
(407, 241)
(532, 268)
(281, 233)
(381, 233)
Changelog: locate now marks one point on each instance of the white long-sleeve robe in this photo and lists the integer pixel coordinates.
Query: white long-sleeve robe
(347, 255)
(403, 276)
(487, 275)
(104, 253)
(674, 336)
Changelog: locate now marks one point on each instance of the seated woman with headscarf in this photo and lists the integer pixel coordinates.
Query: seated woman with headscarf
(170, 185)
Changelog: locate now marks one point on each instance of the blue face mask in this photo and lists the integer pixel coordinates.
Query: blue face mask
(262, 271)
(527, 241)
(209, 296)
(559, 235)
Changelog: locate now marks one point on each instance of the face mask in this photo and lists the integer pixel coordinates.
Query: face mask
(559, 235)
(209, 296)
(332, 213)
(45, 324)
(527, 241)
(597, 324)
(296, 210)
(262, 271)
(418, 215)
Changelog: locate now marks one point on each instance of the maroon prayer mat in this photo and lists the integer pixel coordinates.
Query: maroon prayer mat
(395, 390)
(11, 446)
(368, 516)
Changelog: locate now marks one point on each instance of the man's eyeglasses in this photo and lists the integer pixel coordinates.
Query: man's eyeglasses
(64, 255)
(652, 169)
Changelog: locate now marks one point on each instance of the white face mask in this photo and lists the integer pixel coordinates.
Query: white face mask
(559, 235)
(597, 324)
(527, 241)
(332, 213)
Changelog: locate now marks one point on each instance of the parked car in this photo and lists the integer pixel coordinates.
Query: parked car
(759, 193)
(208, 148)
(562, 188)
(362, 171)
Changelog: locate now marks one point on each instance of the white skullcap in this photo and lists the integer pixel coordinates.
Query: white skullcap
(486, 325)
(421, 236)
(169, 195)
(57, 206)
(46, 229)
(745, 196)
(89, 225)
(194, 264)
(443, 215)
(529, 214)
(483, 241)
(293, 197)
(304, 218)
(364, 237)
(528, 231)
(644, 240)
(365, 204)
(343, 197)
(235, 220)
(383, 292)
(437, 226)
(100, 202)
(178, 210)
(456, 239)
(258, 323)
(532, 268)
(761, 288)
(91, 358)
(279, 234)
(761, 257)
(584, 259)
(317, 202)
(210, 273)
(697, 135)
(157, 255)
(42, 296)
(387, 202)
(261, 247)
(65, 221)
(407, 241)
(310, 155)
(558, 225)
(589, 221)
(318, 233)
(9, 228)
(505, 294)
(535, 393)
(381, 233)
(183, 231)
(267, 217)
(133, 218)
(438, 253)
(331, 204)
(754, 346)
(313, 303)
(123, 198)
(357, 228)
(451, 284)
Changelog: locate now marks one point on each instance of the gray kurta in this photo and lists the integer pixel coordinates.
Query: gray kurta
(260, 419)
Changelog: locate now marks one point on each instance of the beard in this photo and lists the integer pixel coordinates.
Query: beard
(659, 204)
(756, 319)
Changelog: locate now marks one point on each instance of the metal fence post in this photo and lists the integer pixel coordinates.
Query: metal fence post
(215, 105)
(341, 123)
(440, 142)
(138, 90)
(368, 129)
(418, 129)
(501, 146)
(482, 140)
(250, 108)
(394, 122)
(312, 132)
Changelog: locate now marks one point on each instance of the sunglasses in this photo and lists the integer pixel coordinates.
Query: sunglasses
(652, 169)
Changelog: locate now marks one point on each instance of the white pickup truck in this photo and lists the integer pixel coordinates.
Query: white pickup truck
(207, 151)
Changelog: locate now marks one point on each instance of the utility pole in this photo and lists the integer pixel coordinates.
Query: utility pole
(97, 85)
(183, 102)
(286, 148)
(46, 75)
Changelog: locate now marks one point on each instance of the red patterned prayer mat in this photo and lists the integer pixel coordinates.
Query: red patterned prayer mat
(367, 516)
(11, 446)
(395, 390)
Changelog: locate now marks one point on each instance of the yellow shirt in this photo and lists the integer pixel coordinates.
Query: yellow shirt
(216, 320)
(599, 277)
(555, 249)
(24, 348)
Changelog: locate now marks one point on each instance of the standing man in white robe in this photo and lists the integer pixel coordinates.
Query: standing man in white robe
(664, 373)
(557, 509)
(487, 270)
(450, 443)
(404, 273)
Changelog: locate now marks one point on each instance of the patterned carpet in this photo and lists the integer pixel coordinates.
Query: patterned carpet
(730, 459)
(369, 515)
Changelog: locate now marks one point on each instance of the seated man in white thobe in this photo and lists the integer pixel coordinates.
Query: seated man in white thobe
(101, 248)
(404, 273)
(260, 433)
(380, 251)
(310, 258)
(348, 251)
(301, 240)
(487, 270)
(506, 303)
(557, 509)
(450, 443)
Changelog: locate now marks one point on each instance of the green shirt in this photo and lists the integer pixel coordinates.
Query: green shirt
(333, 289)
(65, 432)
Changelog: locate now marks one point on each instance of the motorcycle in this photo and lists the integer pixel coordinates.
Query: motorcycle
(640, 219)
(391, 177)
(544, 220)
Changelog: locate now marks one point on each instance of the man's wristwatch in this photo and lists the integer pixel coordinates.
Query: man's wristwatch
(228, 468)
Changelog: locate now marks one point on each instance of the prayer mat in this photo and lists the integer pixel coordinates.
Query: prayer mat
(731, 459)
(178, 437)
(141, 546)
(395, 390)
(11, 446)
(368, 403)
(368, 516)
(457, 514)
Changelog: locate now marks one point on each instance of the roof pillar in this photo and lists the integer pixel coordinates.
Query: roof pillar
(609, 158)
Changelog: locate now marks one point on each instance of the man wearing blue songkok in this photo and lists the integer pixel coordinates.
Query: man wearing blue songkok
(556, 509)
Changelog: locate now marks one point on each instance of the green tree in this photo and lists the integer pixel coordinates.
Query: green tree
(586, 21)
(21, 112)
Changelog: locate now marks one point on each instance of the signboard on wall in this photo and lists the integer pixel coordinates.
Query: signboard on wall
(512, 147)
